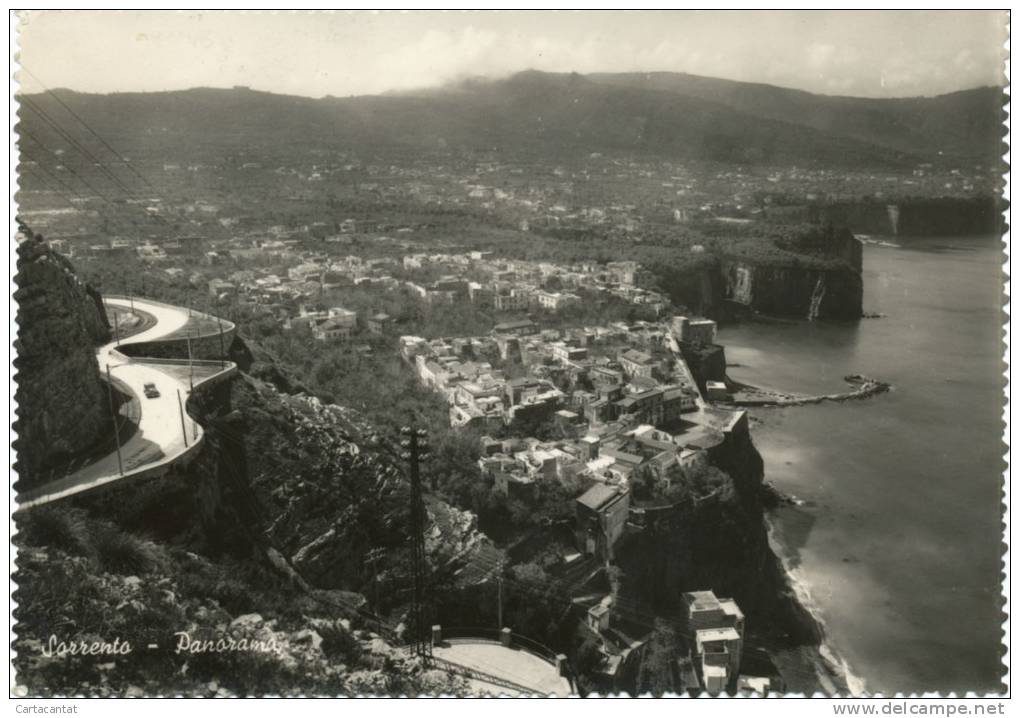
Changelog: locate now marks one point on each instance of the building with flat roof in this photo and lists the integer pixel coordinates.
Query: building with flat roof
(718, 625)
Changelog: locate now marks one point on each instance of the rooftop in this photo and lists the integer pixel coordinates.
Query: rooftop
(595, 497)
(702, 600)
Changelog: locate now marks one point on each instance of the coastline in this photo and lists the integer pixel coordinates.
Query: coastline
(824, 659)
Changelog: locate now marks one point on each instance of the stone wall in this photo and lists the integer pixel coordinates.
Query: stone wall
(206, 347)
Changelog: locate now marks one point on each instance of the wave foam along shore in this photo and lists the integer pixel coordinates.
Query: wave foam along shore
(830, 662)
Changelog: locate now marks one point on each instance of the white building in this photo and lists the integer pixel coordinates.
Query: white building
(343, 317)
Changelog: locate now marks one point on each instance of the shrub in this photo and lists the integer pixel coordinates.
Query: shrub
(337, 642)
(119, 552)
(57, 528)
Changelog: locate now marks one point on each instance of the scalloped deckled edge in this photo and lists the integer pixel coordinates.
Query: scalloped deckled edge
(12, 249)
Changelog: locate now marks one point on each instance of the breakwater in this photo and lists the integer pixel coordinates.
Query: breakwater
(863, 387)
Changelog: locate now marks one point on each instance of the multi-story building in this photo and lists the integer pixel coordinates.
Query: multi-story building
(343, 317)
(555, 300)
(332, 330)
(693, 330)
(600, 518)
(718, 626)
(636, 363)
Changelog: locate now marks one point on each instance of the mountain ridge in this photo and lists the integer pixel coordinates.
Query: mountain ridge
(672, 115)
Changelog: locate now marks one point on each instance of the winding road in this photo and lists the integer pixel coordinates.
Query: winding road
(160, 440)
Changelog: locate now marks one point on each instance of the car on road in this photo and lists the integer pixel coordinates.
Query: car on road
(151, 391)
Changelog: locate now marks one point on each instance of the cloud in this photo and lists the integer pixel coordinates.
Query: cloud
(361, 53)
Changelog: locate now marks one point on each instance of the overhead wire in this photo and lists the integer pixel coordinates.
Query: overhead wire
(88, 127)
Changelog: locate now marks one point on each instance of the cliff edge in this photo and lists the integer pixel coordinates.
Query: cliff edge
(62, 403)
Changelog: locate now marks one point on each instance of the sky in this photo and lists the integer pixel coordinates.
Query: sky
(862, 53)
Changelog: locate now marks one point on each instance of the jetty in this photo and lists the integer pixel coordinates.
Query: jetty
(753, 396)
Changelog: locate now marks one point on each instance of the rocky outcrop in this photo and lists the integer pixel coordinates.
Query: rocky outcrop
(63, 406)
(718, 539)
(222, 627)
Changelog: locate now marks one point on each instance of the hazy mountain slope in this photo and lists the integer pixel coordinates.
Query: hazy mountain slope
(553, 115)
(960, 123)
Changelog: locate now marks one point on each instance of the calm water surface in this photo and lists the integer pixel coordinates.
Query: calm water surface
(898, 539)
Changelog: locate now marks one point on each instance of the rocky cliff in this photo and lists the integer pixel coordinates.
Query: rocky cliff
(717, 539)
(934, 217)
(805, 271)
(63, 406)
(714, 539)
(794, 290)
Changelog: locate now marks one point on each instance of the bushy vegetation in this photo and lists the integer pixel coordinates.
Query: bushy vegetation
(74, 585)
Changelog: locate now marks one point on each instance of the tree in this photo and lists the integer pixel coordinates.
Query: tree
(657, 673)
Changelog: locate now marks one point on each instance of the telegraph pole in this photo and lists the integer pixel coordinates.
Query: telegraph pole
(180, 407)
(414, 450)
(113, 412)
(191, 367)
(500, 567)
(223, 354)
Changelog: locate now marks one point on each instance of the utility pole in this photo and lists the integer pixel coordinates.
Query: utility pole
(180, 407)
(414, 449)
(113, 412)
(223, 354)
(499, 596)
(191, 367)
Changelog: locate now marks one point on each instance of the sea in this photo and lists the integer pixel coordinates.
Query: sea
(894, 541)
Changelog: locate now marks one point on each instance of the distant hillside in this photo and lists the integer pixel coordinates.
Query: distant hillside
(551, 115)
(966, 123)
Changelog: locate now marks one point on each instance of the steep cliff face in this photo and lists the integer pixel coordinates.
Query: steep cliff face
(794, 290)
(62, 403)
(719, 541)
(809, 271)
(935, 217)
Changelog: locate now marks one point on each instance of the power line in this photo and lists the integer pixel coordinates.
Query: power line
(34, 171)
(61, 163)
(84, 124)
(81, 149)
(76, 145)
